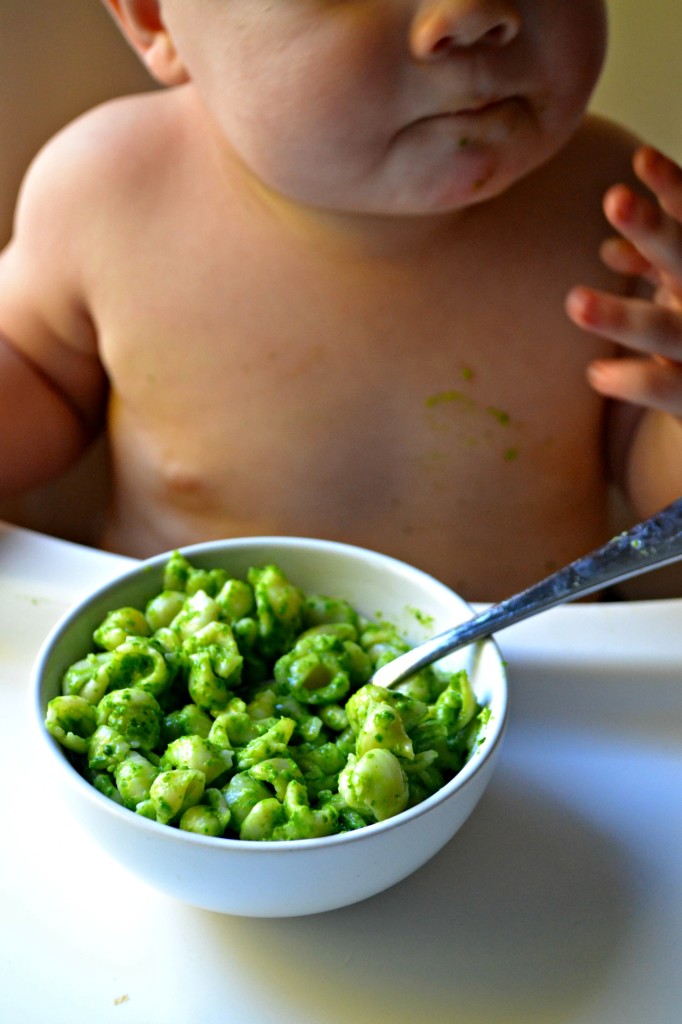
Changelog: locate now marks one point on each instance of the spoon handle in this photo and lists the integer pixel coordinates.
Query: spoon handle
(652, 543)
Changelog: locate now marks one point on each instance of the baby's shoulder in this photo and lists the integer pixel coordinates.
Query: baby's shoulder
(571, 186)
(105, 153)
(600, 152)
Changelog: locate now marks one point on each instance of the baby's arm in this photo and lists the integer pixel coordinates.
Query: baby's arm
(51, 383)
(648, 248)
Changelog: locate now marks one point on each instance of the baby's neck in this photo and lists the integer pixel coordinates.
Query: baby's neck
(340, 234)
(369, 236)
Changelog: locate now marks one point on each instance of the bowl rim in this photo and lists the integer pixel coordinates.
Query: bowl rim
(486, 749)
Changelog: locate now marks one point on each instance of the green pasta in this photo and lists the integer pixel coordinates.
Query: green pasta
(244, 709)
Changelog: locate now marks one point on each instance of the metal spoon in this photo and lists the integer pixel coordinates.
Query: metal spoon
(652, 543)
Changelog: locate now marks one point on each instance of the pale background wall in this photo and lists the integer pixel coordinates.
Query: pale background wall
(642, 81)
(57, 58)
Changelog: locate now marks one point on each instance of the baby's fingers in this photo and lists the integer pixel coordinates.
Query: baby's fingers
(655, 235)
(646, 327)
(624, 258)
(653, 383)
(663, 176)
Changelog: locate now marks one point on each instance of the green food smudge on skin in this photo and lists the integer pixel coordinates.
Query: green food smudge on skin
(456, 396)
(502, 417)
(443, 397)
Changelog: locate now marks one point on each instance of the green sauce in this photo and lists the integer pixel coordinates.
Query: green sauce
(245, 709)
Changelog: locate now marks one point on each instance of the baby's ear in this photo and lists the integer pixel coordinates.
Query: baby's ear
(143, 25)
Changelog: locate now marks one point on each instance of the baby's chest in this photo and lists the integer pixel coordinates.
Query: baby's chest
(422, 435)
(442, 407)
(465, 366)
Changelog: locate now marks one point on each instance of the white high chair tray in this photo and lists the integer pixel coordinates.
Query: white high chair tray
(560, 901)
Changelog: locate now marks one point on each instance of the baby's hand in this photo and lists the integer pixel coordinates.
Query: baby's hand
(649, 247)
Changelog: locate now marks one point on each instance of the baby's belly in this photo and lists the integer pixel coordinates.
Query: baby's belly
(485, 523)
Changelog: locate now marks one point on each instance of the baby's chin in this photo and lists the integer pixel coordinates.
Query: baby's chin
(439, 184)
(432, 169)
(455, 188)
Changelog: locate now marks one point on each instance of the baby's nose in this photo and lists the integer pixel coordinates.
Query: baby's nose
(440, 26)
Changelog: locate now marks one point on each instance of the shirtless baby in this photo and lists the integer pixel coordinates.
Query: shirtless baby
(320, 285)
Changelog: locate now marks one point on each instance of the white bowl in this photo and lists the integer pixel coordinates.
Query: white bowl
(280, 879)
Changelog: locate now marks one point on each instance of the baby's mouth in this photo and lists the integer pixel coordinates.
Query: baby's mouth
(489, 114)
(471, 108)
(487, 105)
